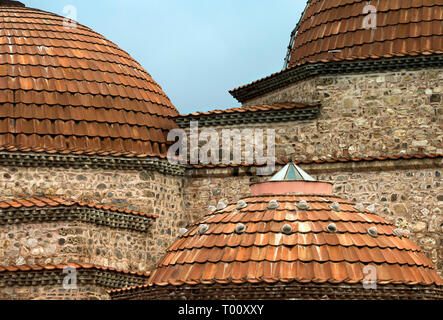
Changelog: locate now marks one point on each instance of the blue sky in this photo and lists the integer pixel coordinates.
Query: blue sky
(197, 50)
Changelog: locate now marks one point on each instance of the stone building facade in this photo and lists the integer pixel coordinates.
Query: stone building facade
(375, 115)
(145, 191)
(370, 122)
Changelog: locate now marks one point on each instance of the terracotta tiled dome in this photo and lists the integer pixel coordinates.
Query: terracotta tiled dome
(277, 244)
(333, 30)
(70, 90)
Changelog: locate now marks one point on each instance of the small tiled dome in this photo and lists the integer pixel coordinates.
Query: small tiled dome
(280, 244)
(66, 89)
(336, 30)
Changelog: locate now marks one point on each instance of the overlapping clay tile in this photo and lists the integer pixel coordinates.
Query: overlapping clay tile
(54, 202)
(309, 254)
(254, 108)
(336, 32)
(78, 266)
(75, 75)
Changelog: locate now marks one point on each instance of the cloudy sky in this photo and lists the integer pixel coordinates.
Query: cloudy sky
(197, 50)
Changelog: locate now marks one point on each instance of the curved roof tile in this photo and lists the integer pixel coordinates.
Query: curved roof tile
(263, 254)
(70, 90)
(55, 202)
(335, 31)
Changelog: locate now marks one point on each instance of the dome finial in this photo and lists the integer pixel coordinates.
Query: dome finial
(11, 3)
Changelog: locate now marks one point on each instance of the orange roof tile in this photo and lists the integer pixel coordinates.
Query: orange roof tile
(309, 254)
(53, 202)
(73, 91)
(134, 288)
(255, 108)
(334, 31)
(331, 160)
(330, 37)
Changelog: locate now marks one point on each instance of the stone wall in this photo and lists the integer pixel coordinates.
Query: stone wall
(149, 192)
(84, 292)
(403, 189)
(377, 114)
(63, 242)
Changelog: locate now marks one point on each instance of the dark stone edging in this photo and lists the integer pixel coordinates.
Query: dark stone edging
(296, 114)
(280, 291)
(299, 73)
(103, 278)
(375, 165)
(88, 215)
(22, 159)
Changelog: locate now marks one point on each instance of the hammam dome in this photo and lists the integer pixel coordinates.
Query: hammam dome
(336, 30)
(291, 239)
(66, 89)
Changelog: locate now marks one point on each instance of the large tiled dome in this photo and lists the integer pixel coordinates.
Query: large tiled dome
(70, 90)
(335, 30)
(292, 239)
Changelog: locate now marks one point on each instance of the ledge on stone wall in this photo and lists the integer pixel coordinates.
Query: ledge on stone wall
(49, 208)
(388, 163)
(265, 113)
(292, 75)
(51, 275)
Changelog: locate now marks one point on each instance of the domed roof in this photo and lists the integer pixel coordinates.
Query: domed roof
(70, 90)
(280, 244)
(334, 30)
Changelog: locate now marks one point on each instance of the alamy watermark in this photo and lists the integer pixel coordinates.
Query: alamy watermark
(370, 278)
(233, 146)
(70, 14)
(70, 280)
(370, 21)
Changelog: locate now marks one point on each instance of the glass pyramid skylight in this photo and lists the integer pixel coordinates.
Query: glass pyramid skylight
(292, 172)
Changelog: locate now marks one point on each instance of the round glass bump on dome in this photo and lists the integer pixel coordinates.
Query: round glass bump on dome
(240, 228)
(221, 205)
(203, 229)
(335, 206)
(287, 229)
(182, 232)
(332, 228)
(273, 204)
(212, 208)
(373, 232)
(303, 205)
(359, 207)
(241, 204)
